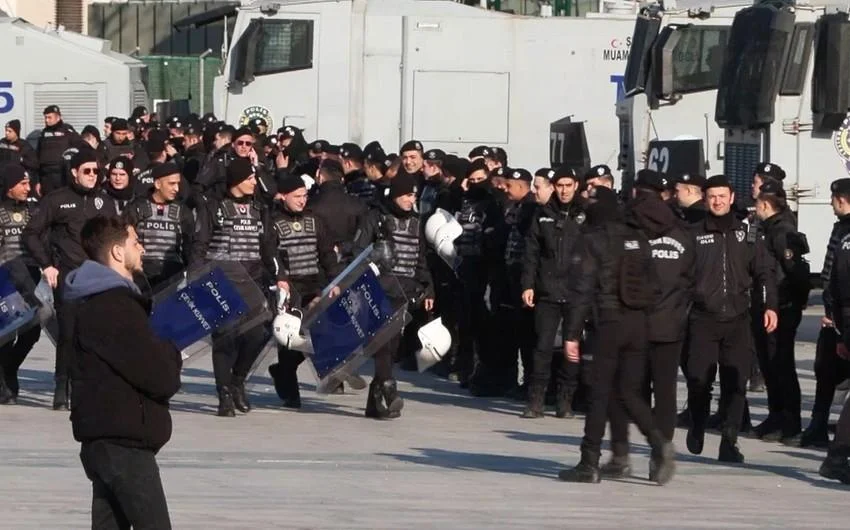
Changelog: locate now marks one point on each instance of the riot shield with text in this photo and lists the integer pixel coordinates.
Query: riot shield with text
(218, 299)
(19, 307)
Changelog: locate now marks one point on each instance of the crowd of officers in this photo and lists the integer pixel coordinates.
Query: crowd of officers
(602, 296)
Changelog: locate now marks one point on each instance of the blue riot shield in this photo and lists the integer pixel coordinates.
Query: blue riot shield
(18, 305)
(219, 299)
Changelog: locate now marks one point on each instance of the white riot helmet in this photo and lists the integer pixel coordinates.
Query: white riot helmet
(286, 327)
(442, 226)
(436, 341)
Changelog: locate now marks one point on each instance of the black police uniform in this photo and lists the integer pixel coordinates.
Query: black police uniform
(727, 266)
(109, 150)
(20, 152)
(52, 238)
(238, 230)
(340, 214)
(14, 216)
(307, 261)
(673, 256)
(165, 230)
(358, 185)
(546, 266)
(52, 143)
(144, 182)
(210, 180)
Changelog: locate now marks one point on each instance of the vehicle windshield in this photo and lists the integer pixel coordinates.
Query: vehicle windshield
(697, 58)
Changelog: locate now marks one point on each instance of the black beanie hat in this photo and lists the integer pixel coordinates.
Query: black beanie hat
(402, 184)
(717, 181)
(15, 125)
(164, 170)
(122, 162)
(290, 183)
(238, 171)
(84, 156)
(12, 174)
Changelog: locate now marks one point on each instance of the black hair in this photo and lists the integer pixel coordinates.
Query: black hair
(100, 234)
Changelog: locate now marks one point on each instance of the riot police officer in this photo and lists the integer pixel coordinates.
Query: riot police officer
(56, 137)
(211, 179)
(545, 276)
(165, 227)
(52, 237)
(236, 228)
(121, 182)
(356, 181)
(396, 222)
(306, 261)
(15, 211)
(118, 143)
(13, 149)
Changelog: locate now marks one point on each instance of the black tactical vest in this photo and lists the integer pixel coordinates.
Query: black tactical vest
(53, 142)
(12, 223)
(9, 152)
(361, 188)
(471, 218)
(113, 151)
(404, 235)
(237, 234)
(516, 242)
(298, 246)
(160, 231)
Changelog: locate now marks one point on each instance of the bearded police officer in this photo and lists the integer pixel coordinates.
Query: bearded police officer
(727, 266)
(396, 222)
(52, 237)
(14, 149)
(307, 262)
(164, 225)
(14, 214)
(236, 228)
(545, 276)
(118, 143)
(56, 137)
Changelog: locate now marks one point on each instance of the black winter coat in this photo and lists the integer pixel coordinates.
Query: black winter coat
(340, 213)
(548, 253)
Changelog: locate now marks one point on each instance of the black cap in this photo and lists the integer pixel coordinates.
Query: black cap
(15, 125)
(772, 187)
(412, 145)
(123, 163)
(290, 183)
(51, 109)
(598, 171)
(193, 128)
(164, 170)
(351, 151)
(718, 181)
(840, 187)
(477, 165)
(498, 154)
(691, 180)
(651, 180)
(498, 172)
(402, 184)
(332, 165)
(155, 143)
(83, 156)
(520, 174)
(91, 130)
(332, 149)
(238, 171)
(259, 122)
(481, 150)
(319, 146)
(119, 125)
(140, 111)
(373, 152)
(766, 169)
(456, 166)
(209, 117)
(435, 155)
(110, 119)
(12, 174)
(565, 172)
(288, 132)
(243, 131)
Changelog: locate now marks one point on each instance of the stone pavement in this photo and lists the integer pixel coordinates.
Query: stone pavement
(451, 461)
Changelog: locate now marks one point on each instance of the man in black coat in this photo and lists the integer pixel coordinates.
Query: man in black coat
(123, 376)
(340, 212)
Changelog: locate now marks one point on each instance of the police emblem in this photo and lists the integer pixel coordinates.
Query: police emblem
(243, 209)
(252, 113)
(18, 217)
(580, 218)
(296, 226)
(98, 203)
(841, 141)
(789, 254)
(740, 235)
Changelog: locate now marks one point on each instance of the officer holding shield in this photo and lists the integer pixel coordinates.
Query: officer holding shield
(307, 261)
(395, 222)
(236, 228)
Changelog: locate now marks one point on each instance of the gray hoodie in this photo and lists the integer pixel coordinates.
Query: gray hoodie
(92, 278)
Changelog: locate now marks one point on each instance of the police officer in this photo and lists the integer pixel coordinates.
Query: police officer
(787, 246)
(673, 257)
(194, 153)
(545, 275)
(375, 166)
(165, 227)
(613, 284)
(412, 160)
(727, 266)
(56, 137)
(236, 228)
(52, 238)
(13, 149)
(339, 212)
(15, 209)
(118, 143)
(120, 184)
(307, 262)
(356, 182)
(211, 179)
(432, 170)
(396, 222)
(689, 198)
(599, 175)
(543, 186)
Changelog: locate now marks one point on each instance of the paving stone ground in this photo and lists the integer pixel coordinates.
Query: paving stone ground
(451, 461)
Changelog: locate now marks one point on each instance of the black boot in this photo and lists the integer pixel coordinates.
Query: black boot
(770, 430)
(757, 383)
(392, 400)
(816, 434)
(564, 403)
(6, 394)
(240, 398)
(374, 396)
(587, 470)
(62, 394)
(835, 466)
(729, 451)
(286, 385)
(536, 397)
(695, 440)
(617, 467)
(225, 403)
(662, 462)
(383, 402)
(683, 419)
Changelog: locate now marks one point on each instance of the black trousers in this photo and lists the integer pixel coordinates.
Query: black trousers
(550, 364)
(511, 330)
(619, 362)
(780, 372)
(842, 430)
(65, 316)
(472, 325)
(660, 380)
(233, 355)
(126, 487)
(723, 343)
(830, 371)
(13, 354)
